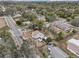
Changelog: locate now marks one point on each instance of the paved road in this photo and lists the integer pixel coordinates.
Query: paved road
(14, 30)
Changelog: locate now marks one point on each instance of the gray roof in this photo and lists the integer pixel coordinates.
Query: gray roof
(61, 24)
(57, 52)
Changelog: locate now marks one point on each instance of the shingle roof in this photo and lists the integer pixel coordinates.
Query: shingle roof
(62, 25)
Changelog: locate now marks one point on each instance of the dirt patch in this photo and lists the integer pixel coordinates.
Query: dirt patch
(2, 22)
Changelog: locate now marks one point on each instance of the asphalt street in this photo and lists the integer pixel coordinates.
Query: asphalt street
(14, 30)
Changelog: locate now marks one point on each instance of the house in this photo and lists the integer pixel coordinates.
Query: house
(33, 35)
(55, 29)
(30, 36)
(62, 25)
(38, 35)
(56, 52)
(17, 19)
(27, 23)
(73, 46)
(17, 15)
(46, 24)
(41, 17)
(3, 8)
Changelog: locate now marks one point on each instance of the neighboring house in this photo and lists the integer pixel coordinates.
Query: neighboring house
(26, 23)
(35, 35)
(17, 15)
(62, 25)
(55, 29)
(16, 19)
(56, 52)
(38, 35)
(41, 17)
(46, 24)
(3, 8)
(73, 46)
(29, 35)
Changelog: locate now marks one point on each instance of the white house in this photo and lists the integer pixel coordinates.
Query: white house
(17, 15)
(28, 22)
(38, 35)
(41, 18)
(46, 24)
(73, 46)
(33, 34)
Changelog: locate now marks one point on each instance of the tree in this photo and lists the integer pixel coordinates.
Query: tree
(64, 13)
(59, 36)
(75, 22)
(76, 11)
(39, 24)
(48, 40)
(74, 31)
(61, 13)
(1, 13)
(29, 16)
(26, 50)
(50, 17)
(18, 22)
(10, 11)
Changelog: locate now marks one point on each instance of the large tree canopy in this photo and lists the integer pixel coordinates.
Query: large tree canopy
(75, 22)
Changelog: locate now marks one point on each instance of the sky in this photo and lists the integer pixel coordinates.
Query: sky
(49, 0)
(64, 0)
(40, 0)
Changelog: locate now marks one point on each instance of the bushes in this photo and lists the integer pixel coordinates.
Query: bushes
(48, 40)
(37, 25)
(75, 22)
(18, 22)
(29, 16)
(59, 36)
(50, 17)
